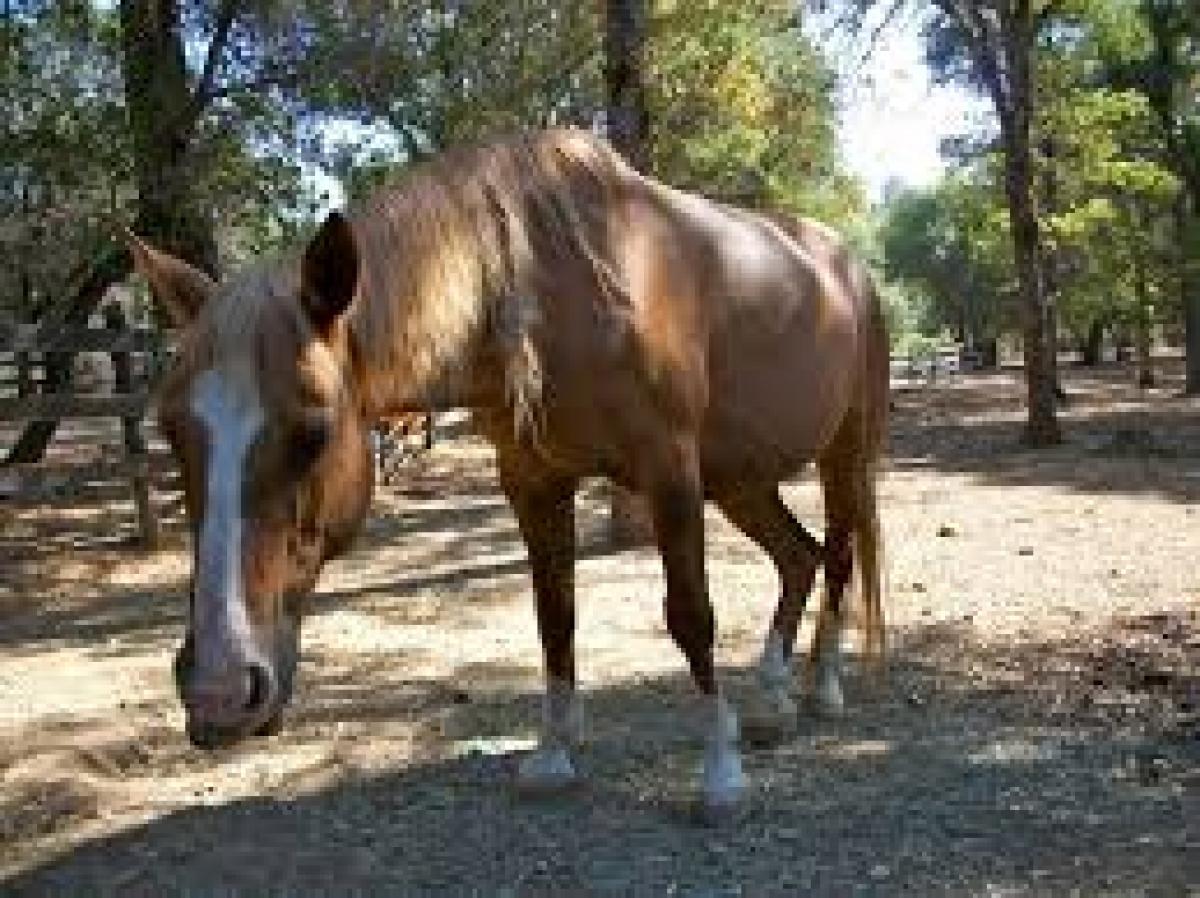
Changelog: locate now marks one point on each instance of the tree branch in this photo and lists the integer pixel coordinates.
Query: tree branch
(271, 79)
(986, 50)
(877, 32)
(222, 25)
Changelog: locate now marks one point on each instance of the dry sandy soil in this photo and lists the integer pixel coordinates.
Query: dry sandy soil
(1039, 733)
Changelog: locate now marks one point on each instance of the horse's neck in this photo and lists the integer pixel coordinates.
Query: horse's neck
(464, 372)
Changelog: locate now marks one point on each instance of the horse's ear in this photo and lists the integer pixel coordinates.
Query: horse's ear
(329, 276)
(180, 288)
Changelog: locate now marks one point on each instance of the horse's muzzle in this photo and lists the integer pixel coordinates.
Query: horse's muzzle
(226, 706)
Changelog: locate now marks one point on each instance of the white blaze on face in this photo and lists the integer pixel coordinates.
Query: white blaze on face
(232, 416)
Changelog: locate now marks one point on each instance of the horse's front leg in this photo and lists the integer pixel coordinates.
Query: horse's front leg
(677, 500)
(545, 512)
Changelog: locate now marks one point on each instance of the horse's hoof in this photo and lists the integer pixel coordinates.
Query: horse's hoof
(546, 772)
(718, 813)
(724, 786)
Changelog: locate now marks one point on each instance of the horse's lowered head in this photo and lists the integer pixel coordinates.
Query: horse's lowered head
(273, 444)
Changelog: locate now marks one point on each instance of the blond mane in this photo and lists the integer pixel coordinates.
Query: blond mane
(448, 252)
(455, 244)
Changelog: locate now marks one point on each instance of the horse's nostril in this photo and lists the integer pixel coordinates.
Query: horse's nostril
(258, 691)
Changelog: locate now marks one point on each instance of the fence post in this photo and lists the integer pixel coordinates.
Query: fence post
(131, 430)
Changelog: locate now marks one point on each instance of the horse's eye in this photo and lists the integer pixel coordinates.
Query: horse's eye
(308, 441)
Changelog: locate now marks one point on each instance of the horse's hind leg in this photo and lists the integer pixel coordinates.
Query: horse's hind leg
(677, 503)
(545, 513)
(760, 513)
(838, 485)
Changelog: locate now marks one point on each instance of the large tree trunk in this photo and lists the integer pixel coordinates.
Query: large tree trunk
(162, 117)
(1037, 309)
(1002, 48)
(1015, 105)
(629, 130)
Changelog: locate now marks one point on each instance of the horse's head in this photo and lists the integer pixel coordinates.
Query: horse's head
(274, 449)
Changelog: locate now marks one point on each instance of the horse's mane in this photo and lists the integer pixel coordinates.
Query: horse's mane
(458, 240)
(454, 245)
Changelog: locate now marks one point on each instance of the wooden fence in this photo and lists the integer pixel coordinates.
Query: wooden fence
(33, 390)
(38, 392)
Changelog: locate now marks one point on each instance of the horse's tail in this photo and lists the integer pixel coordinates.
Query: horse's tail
(849, 468)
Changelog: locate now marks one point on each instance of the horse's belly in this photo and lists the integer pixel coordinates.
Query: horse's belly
(772, 411)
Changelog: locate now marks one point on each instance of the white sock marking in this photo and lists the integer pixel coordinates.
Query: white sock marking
(724, 780)
(550, 766)
(828, 683)
(775, 674)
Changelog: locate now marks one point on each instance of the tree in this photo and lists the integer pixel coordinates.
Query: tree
(198, 121)
(625, 32)
(993, 45)
(1165, 68)
(173, 154)
(163, 109)
(949, 245)
(741, 108)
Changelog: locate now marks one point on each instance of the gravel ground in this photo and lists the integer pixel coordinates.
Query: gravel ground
(1039, 733)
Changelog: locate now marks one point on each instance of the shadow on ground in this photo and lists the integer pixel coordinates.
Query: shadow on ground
(1117, 439)
(136, 617)
(1032, 768)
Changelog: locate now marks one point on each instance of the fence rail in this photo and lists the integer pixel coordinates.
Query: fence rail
(43, 401)
(56, 406)
(80, 339)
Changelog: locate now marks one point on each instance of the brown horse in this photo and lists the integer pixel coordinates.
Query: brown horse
(598, 323)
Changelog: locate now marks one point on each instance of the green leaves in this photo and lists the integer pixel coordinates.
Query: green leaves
(742, 107)
(273, 90)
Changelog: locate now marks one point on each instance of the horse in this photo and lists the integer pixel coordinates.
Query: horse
(597, 322)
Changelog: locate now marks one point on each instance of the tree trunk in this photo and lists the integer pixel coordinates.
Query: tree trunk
(1145, 357)
(162, 116)
(989, 353)
(1093, 345)
(1037, 309)
(1191, 337)
(624, 76)
(1141, 326)
(93, 282)
(630, 522)
(1124, 352)
(1168, 28)
(1188, 229)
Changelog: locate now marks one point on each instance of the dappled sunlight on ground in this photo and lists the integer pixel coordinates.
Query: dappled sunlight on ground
(1039, 731)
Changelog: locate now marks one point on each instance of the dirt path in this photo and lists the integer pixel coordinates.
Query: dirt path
(1040, 733)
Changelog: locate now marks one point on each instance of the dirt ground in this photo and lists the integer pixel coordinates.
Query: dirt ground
(1039, 733)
